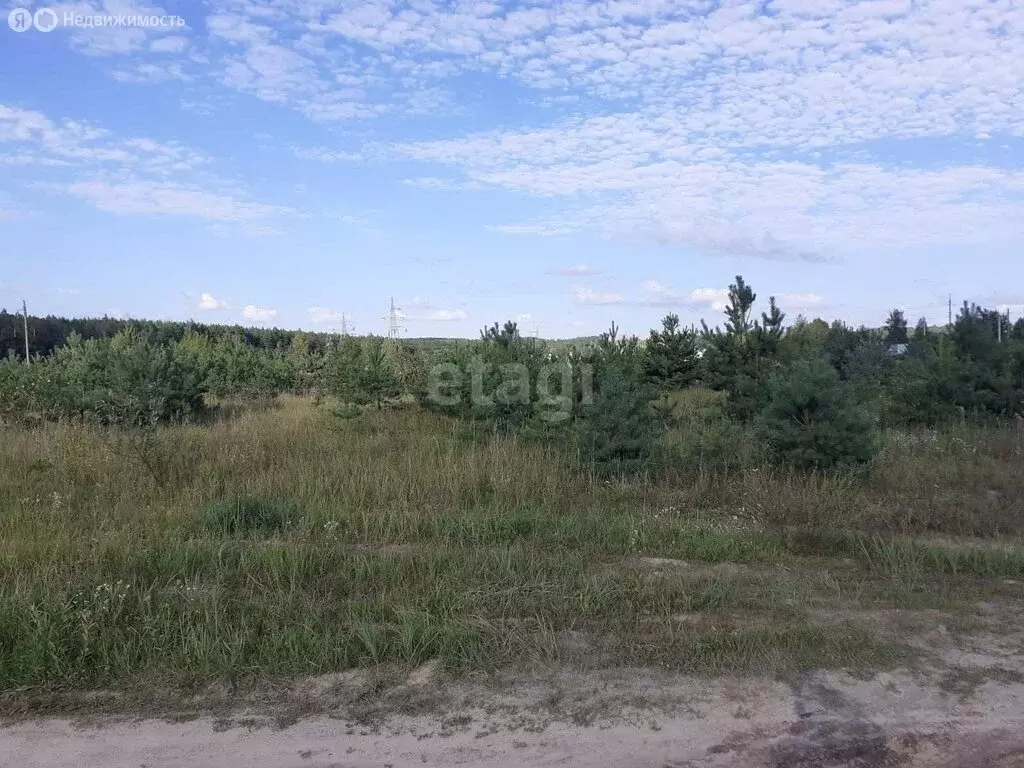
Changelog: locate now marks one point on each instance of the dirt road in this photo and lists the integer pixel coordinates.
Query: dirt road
(969, 716)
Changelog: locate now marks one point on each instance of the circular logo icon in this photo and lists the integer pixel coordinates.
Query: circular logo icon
(45, 20)
(20, 20)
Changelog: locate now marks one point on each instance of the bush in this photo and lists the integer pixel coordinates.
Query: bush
(812, 421)
(495, 379)
(121, 381)
(704, 439)
(361, 372)
(618, 432)
(232, 368)
(19, 390)
(247, 515)
(672, 360)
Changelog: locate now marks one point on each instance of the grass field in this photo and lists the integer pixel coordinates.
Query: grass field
(284, 541)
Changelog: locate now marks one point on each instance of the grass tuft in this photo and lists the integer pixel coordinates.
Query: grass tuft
(248, 516)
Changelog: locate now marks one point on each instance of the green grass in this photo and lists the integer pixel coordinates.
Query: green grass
(286, 542)
(248, 515)
(899, 557)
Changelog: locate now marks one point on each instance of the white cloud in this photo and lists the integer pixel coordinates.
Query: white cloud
(731, 105)
(586, 295)
(149, 73)
(708, 295)
(656, 294)
(170, 44)
(252, 312)
(728, 203)
(324, 316)
(422, 309)
(799, 300)
(208, 302)
(727, 74)
(137, 175)
(108, 41)
(147, 197)
(258, 314)
(735, 127)
(33, 138)
(444, 315)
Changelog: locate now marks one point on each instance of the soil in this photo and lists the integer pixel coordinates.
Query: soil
(961, 708)
(962, 717)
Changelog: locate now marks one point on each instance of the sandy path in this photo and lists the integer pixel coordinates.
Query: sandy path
(622, 719)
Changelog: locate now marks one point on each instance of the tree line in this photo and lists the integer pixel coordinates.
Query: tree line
(46, 334)
(811, 393)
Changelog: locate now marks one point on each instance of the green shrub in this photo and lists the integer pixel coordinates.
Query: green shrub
(495, 378)
(812, 421)
(618, 432)
(248, 515)
(123, 381)
(20, 386)
(231, 368)
(346, 412)
(361, 372)
(671, 360)
(704, 438)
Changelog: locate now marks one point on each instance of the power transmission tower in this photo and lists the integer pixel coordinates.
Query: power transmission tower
(344, 325)
(394, 328)
(949, 321)
(24, 317)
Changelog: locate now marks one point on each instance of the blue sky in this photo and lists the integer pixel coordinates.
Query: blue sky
(566, 163)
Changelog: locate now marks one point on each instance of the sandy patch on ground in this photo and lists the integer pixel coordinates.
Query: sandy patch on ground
(623, 718)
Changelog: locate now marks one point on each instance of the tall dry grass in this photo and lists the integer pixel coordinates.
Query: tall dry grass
(418, 537)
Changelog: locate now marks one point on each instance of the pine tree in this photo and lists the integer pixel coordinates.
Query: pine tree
(731, 359)
(504, 336)
(671, 355)
(622, 352)
(770, 331)
(812, 421)
(361, 372)
(741, 301)
(618, 430)
(896, 328)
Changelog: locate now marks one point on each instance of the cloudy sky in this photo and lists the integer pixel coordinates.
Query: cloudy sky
(565, 162)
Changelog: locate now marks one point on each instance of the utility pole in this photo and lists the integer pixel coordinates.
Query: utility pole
(24, 317)
(393, 327)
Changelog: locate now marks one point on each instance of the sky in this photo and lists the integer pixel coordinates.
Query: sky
(565, 163)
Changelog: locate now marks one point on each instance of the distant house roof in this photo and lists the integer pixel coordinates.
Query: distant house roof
(897, 349)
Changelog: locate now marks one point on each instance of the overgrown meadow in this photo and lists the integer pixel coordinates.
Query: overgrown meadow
(746, 498)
